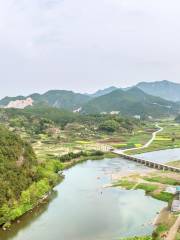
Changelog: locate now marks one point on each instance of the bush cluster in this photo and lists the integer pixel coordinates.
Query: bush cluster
(69, 156)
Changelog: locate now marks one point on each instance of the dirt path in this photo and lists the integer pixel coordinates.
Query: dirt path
(173, 231)
(160, 129)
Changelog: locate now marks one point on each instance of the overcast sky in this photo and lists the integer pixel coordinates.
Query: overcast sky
(84, 45)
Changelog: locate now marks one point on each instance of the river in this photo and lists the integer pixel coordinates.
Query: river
(162, 156)
(82, 209)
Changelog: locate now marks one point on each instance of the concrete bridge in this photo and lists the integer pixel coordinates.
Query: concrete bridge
(148, 163)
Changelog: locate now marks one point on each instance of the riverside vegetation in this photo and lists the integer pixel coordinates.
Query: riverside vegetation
(23, 180)
(154, 184)
(29, 174)
(60, 139)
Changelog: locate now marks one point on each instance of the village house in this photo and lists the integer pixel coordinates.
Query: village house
(175, 206)
(176, 203)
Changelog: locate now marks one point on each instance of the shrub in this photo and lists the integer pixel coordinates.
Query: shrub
(109, 126)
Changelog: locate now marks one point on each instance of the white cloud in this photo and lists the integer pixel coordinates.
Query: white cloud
(106, 42)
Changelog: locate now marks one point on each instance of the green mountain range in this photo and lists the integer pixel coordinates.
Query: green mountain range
(156, 99)
(164, 89)
(131, 102)
(54, 98)
(102, 92)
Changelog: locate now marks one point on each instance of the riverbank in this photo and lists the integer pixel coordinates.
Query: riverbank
(50, 166)
(51, 175)
(51, 172)
(101, 155)
(82, 207)
(174, 164)
(138, 238)
(155, 184)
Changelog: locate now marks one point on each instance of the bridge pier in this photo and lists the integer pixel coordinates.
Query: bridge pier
(148, 163)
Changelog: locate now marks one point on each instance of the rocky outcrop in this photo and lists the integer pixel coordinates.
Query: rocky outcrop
(21, 104)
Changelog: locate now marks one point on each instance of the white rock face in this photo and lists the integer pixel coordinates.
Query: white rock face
(21, 104)
(77, 110)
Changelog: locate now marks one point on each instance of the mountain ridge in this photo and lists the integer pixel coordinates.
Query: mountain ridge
(165, 89)
(131, 102)
(134, 100)
(55, 98)
(104, 91)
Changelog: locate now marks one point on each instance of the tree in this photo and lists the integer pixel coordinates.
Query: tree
(109, 126)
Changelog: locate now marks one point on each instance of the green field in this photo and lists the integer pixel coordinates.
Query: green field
(169, 138)
(69, 140)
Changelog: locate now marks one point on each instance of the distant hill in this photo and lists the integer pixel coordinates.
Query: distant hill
(131, 102)
(177, 119)
(5, 101)
(54, 98)
(103, 92)
(164, 89)
(155, 99)
(68, 100)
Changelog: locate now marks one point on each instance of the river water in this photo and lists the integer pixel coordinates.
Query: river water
(82, 209)
(162, 156)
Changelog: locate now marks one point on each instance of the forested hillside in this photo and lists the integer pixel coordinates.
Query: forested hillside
(28, 116)
(178, 119)
(54, 98)
(142, 100)
(22, 179)
(57, 136)
(37, 119)
(131, 102)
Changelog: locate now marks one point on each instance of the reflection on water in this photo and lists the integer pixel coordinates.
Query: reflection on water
(28, 218)
(162, 156)
(84, 210)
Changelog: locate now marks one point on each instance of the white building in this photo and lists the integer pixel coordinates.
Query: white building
(114, 112)
(171, 190)
(137, 117)
(175, 206)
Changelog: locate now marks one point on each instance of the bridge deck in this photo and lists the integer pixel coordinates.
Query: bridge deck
(148, 163)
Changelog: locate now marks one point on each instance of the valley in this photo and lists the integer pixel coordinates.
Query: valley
(135, 101)
(122, 172)
(63, 141)
(89, 120)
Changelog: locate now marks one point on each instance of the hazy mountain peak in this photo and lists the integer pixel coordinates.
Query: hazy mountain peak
(105, 91)
(135, 90)
(164, 89)
(132, 102)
